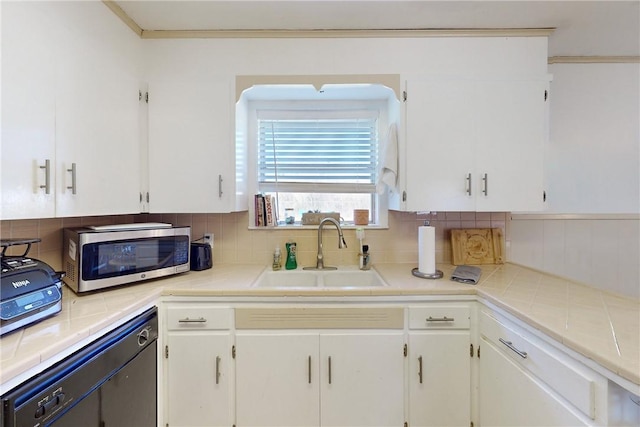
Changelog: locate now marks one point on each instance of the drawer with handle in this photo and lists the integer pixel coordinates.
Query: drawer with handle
(198, 317)
(560, 373)
(440, 317)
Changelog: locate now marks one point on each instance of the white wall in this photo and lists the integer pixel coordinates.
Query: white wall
(604, 253)
(593, 157)
(207, 58)
(593, 175)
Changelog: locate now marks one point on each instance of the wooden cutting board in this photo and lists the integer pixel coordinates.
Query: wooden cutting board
(474, 246)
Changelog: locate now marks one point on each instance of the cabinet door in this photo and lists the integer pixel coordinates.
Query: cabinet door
(440, 153)
(277, 380)
(510, 135)
(509, 396)
(191, 145)
(198, 379)
(362, 379)
(28, 113)
(439, 378)
(96, 132)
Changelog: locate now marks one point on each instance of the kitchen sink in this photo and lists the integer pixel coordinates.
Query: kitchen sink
(351, 278)
(287, 278)
(341, 278)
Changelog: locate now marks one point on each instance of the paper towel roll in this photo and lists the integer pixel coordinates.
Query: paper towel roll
(427, 249)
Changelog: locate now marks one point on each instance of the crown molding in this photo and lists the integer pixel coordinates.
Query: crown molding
(593, 59)
(389, 33)
(370, 33)
(115, 8)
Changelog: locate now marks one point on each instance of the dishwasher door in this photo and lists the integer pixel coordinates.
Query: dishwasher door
(112, 382)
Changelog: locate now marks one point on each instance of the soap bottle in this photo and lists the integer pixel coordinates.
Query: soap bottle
(291, 263)
(277, 259)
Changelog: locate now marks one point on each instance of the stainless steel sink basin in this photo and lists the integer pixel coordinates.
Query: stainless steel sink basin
(341, 278)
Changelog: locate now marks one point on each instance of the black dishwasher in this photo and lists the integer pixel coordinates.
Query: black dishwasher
(109, 383)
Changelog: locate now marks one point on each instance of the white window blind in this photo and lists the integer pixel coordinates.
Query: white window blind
(319, 151)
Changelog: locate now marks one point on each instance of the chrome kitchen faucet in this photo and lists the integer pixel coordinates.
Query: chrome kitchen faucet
(341, 244)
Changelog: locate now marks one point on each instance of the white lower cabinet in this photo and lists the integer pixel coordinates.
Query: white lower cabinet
(198, 366)
(527, 382)
(510, 396)
(439, 366)
(346, 378)
(277, 379)
(416, 364)
(362, 379)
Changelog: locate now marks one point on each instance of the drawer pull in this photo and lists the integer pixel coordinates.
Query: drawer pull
(188, 320)
(509, 344)
(217, 369)
(440, 319)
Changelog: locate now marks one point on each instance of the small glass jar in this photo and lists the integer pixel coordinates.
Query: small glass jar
(289, 216)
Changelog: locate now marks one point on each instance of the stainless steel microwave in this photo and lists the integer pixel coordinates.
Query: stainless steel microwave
(104, 256)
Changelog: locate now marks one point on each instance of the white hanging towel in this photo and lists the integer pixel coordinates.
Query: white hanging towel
(388, 172)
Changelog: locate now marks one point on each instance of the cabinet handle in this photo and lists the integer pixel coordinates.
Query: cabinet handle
(329, 369)
(485, 184)
(72, 187)
(509, 344)
(187, 320)
(47, 176)
(440, 319)
(217, 369)
(220, 186)
(468, 183)
(420, 368)
(309, 369)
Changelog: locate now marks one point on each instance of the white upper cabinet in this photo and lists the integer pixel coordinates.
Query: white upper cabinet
(97, 134)
(510, 140)
(474, 144)
(440, 146)
(191, 144)
(28, 116)
(70, 101)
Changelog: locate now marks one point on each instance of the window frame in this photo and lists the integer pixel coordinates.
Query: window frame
(380, 203)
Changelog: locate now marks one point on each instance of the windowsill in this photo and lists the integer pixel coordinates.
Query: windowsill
(315, 227)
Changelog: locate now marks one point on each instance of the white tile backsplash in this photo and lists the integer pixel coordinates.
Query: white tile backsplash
(529, 243)
(578, 250)
(604, 253)
(553, 247)
(629, 256)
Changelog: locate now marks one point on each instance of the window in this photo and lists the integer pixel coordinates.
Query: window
(318, 155)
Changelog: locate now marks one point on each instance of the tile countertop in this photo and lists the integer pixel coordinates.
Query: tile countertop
(601, 326)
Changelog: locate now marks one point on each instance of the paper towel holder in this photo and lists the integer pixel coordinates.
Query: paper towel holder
(437, 275)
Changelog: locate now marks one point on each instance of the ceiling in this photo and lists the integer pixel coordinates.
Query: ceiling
(582, 28)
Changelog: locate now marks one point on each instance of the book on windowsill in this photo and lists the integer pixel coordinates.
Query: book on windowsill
(259, 210)
(270, 219)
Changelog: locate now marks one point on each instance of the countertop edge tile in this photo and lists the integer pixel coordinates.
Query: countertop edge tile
(236, 280)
